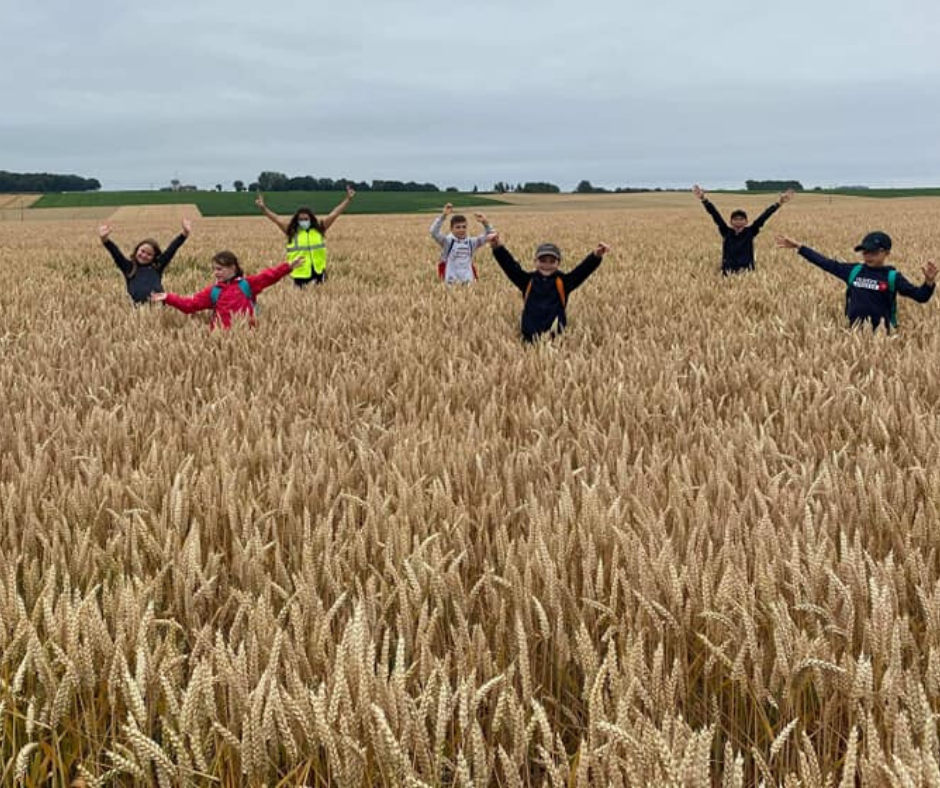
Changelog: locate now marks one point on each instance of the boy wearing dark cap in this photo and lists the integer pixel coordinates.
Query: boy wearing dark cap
(546, 289)
(873, 287)
(737, 246)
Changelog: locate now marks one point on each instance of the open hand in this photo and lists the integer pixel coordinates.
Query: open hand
(786, 196)
(698, 191)
(295, 263)
(493, 240)
(157, 298)
(787, 243)
(187, 227)
(930, 273)
(104, 231)
(601, 249)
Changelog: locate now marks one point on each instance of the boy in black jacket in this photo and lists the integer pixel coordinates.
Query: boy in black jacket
(873, 287)
(546, 289)
(737, 247)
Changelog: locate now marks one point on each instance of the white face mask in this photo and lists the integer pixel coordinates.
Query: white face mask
(304, 224)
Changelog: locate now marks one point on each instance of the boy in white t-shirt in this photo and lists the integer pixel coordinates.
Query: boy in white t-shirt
(457, 249)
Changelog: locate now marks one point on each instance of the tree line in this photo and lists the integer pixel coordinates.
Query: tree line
(270, 181)
(42, 182)
(773, 186)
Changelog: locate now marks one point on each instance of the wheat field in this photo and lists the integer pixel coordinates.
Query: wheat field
(377, 542)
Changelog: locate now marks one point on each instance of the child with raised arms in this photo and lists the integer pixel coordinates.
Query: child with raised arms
(457, 248)
(306, 238)
(872, 285)
(143, 272)
(545, 290)
(232, 294)
(737, 240)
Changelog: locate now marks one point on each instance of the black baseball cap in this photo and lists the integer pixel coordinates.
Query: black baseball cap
(875, 241)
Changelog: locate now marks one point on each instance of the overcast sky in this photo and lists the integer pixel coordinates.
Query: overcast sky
(662, 93)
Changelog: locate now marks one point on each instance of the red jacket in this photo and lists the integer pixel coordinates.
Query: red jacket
(232, 300)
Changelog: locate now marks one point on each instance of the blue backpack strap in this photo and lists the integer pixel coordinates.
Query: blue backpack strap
(893, 289)
(246, 290)
(853, 275)
(242, 285)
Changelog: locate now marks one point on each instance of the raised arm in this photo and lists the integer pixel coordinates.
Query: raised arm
(104, 233)
(508, 263)
(576, 276)
(699, 192)
(333, 215)
(436, 233)
(186, 304)
(280, 221)
(478, 240)
(269, 276)
(762, 219)
(923, 292)
(834, 267)
(163, 263)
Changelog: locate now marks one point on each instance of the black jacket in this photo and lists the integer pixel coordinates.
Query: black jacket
(870, 297)
(543, 306)
(148, 278)
(737, 249)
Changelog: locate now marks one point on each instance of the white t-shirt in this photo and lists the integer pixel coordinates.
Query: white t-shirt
(457, 254)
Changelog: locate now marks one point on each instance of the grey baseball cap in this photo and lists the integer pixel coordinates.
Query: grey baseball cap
(548, 249)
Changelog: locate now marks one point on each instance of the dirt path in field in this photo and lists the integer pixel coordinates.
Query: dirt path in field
(157, 214)
(15, 208)
(18, 200)
(54, 214)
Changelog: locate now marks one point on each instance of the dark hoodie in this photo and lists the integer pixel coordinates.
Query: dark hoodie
(737, 249)
(869, 297)
(544, 306)
(148, 278)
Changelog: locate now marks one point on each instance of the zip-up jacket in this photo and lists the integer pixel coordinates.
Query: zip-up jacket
(870, 296)
(148, 278)
(544, 306)
(231, 301)
(456, 253)
(737, 249)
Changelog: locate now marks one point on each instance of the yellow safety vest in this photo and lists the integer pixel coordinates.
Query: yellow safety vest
(310, 247)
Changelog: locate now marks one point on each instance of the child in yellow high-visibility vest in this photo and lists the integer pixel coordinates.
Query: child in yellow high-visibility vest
(302, 222)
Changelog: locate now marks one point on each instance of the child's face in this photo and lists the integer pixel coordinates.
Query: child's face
(222, 273)
(546, 264)
(874, 259)
(145, 254)
(738, 223)
(459, 229)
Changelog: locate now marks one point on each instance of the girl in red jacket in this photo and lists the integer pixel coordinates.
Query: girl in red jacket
(233, 293)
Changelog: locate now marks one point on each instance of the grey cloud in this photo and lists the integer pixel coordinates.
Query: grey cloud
(617, 92)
